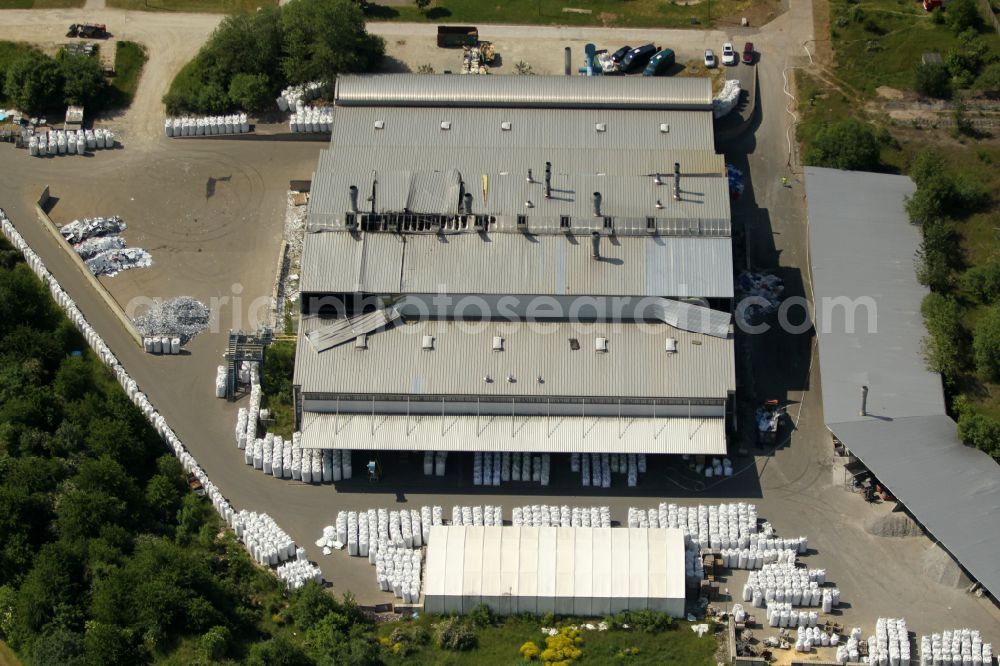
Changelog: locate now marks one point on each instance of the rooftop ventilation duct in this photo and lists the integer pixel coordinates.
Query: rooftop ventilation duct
(657, 180)
(530, 178)
(864, 401)
(468, 203)
(548, 180)
(597, 204)
(595, 245)
(354, 198)
(677, 181)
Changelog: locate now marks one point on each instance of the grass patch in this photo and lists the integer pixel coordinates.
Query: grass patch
(880, 42)
(637, 13)
(500, 644)
(130, 58)
(40, 4)
(201, 6)
(279, 366)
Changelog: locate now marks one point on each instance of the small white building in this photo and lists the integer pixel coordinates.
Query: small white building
(582, 571)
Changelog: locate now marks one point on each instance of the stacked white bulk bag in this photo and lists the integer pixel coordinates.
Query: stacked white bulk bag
(346, 464)
(890, 644)
(306, 466)
(439, 463)
(850, 651)
(220, 378)
(477, 468)
(277, 457)
(956, 646)
(293, 98)
(326, 465)
(317, 466)
(428, 463)
(546, 468)
(241, 428)
(398, 570)
(311, 120)
(286, 459)
(416, 528)
(71, 142)
(297, 573)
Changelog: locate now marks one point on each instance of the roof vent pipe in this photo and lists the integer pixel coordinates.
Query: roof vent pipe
(595, 245)
(568, 54)
(530, 178)
(864, 401)
(597, 204)
(354, 198)
(657, 180)
(468, 204)
(548, 180)
(677, 181)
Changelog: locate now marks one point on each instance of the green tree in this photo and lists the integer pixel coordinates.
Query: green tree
(845, 144)
(980, 431)
(986, 344)
(85, 84)
(422, 5)
(34, 83)
(944, 347)
(937, 256)
(214, 643)
(163, 497)
(59, 647)
(963, 15)
(279, 651)
(310, 604)
(989, 78)
(250, 92)
(111, 645)
(932, 80)
(323, 38)
(982, 282)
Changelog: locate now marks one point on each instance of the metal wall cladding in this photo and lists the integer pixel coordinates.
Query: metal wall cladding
(524, 91)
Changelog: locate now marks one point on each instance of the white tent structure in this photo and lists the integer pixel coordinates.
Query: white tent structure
(564, 570)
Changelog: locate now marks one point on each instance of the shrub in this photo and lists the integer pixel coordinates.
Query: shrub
(846, 144)
(872, 26)
(986, 344)
(980, 431)
(964, 15)
(482, 616)
(454, 634)
(932, 80)
(989, 78)
(529, 651)
(563, 647)
(937, 255)
(250, 92)
(214, 642)
(983, 282)
(944, 346)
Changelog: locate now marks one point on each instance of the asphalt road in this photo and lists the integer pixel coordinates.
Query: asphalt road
(211, 212)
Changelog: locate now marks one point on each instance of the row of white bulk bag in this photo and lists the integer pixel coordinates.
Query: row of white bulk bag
(434, 463)
(851, 650)
(398, 570)
(293, 98)
(220, 381)
(812, 636)
(781, 614)
(955, 646)
(166, 345)
(311, 120)
(715, 526)
(263, 539)
(236, 123)
(541, 515)
(71, 142)
(477, 515)
(620, 463)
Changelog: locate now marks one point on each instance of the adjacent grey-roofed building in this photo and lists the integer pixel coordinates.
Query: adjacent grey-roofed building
(862, 250)
(548, 92)
(548, 200)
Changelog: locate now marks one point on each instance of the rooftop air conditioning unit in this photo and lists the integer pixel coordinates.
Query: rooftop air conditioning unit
(601, 345)
(671, 345)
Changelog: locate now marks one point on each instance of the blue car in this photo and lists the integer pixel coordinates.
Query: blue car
(637, 58)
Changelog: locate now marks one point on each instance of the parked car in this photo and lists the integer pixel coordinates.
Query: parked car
(637, 58)
(728, 54)
(660, 63)
(617, 56)
(748, 53)
(710, 60)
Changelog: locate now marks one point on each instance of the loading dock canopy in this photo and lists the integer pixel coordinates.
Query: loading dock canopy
(862, 246)
(580, 571)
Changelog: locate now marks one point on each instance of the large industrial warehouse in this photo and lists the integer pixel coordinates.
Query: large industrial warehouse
(517, 264)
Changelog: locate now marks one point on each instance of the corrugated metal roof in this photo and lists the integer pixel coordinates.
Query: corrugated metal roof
(636, 364)
(579, 571)
(349, 328)
(862, 247)
(524, 91)
(564, 434)
(500, 263)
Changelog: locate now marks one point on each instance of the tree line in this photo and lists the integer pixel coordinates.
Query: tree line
(106, 557)
(36, 83)
(249, 58)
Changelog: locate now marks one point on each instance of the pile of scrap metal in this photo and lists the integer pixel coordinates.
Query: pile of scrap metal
(476, 58)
